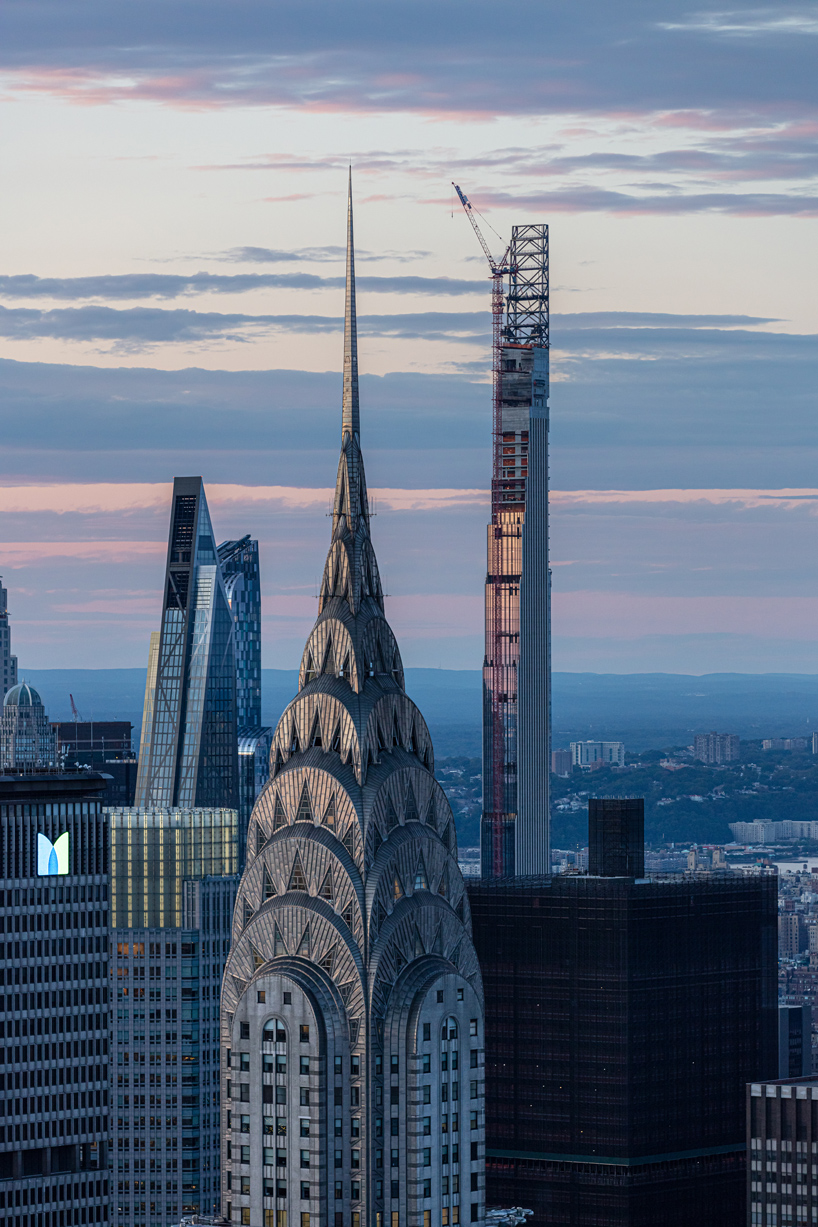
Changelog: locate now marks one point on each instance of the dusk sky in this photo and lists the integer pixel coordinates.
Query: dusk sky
(171, 299)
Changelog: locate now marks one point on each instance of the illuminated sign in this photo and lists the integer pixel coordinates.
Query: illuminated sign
(52, 858)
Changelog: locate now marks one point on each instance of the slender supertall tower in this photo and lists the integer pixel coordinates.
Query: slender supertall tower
(517, 664)
(352, 1017)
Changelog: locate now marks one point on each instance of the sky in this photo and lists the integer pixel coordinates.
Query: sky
(171, 300)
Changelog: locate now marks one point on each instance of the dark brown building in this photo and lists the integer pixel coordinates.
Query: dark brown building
(107, 747)
(782, 1152)
(623, 1019)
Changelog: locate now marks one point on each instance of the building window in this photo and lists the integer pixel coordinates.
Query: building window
(305, 1191)
(305, 1158)
(304, 1033)
(305, 1218)
(339, 1190)
(245, 1215)
(304, 1065)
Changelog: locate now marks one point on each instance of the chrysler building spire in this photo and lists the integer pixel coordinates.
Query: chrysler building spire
(351, 415)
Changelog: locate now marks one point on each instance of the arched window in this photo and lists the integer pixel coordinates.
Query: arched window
(274, 1032)
(449, 1030)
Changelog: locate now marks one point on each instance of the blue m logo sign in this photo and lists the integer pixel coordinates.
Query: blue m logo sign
(52, 858)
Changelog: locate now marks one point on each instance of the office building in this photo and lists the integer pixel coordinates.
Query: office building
(782, 1152)
(7, 660)
(592, 753)
(561, 762)
(105, 745)
(27, 740)
(715, 748)
(351, 1002)
(189, 751)
(173, 886)
(623, 1019)
(54, 986)
(242, 585)
(794, 1040)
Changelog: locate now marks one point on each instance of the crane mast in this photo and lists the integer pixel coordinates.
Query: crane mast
(520, 337)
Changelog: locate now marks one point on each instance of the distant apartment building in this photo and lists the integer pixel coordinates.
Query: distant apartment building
(793, 938)
(561, 762)
(589, 753)
(714, 748)
(782, 1152)
(27, 740)
(766, 832)
(786, 743)
(815, 743)
(8, 663)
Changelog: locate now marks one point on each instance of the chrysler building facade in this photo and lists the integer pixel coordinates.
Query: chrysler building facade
(352, 1005)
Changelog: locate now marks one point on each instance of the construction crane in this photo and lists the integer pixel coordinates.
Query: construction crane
(75, 716)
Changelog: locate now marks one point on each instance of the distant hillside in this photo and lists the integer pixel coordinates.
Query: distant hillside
(645, 710)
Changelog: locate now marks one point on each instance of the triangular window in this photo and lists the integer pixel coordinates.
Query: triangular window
(294, 744)
(248, 914)
(397, 889)
(315, 735)
(335, 744)
(239, 985)
(380, 914)
(297, 879)
(329, 813)
(327, 891)
(348, 915)
(279, 817)
(310, 671)
(460, 909)
(455, 955)
(346, 991)
(269, 888)
(279, 945)
(396, 741)
(377, 839)
(442, 888)
(279, 762)
(329, 658)
(258, 959)
(413, 740)
(258, 838)
(419, 951)
(400, 961)
(391, 817)
(411, 810)
(304, 945)
(349, 840)
(328, 961)
(421, 881)
(437, 947)
(346, 671)
(430, 814)
(304, 811)
(354, 1025)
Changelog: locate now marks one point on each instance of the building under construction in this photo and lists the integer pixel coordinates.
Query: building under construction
(517, 662)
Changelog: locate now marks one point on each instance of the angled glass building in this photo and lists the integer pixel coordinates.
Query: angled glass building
(240, 569)
(188, 754)
(352, 1005)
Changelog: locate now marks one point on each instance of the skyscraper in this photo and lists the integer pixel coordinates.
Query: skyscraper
(242, 585)
(188, 754)
(54, 1009)
(173, 885)
(7, 661)
(174, 860)
(517, 663)
(27, 739)
(352, 1002)
(239, 563)
(624, 1016)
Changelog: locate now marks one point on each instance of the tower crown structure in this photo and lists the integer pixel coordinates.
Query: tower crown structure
(352, 968)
